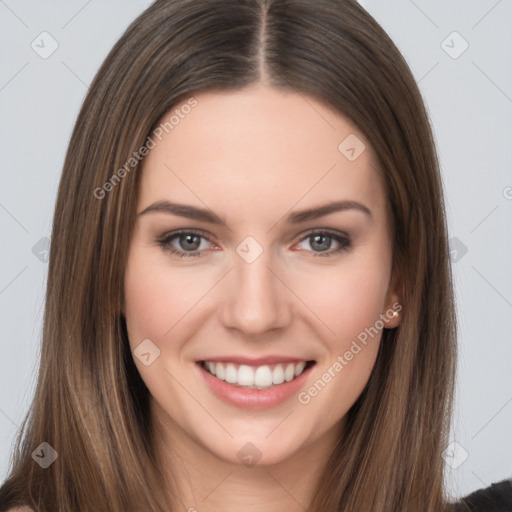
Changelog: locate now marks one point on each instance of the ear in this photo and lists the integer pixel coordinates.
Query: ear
(392, 315)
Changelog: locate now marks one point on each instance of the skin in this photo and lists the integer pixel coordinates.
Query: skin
(252, 157)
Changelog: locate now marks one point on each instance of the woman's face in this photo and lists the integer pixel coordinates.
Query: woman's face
(262, 277)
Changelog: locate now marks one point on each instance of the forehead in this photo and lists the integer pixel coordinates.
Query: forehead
(259, 144)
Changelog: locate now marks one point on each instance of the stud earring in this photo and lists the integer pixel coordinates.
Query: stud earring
(395, 314)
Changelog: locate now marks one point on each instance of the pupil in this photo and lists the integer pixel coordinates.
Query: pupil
(187, 239)
(322, 245)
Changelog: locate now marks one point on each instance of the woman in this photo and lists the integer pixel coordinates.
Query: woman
(198, 364)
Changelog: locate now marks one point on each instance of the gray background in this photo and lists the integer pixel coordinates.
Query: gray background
(469, 99)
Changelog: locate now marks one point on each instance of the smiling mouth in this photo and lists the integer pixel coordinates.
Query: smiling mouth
(256, 377)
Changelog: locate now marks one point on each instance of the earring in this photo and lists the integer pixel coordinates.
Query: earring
(395, 314)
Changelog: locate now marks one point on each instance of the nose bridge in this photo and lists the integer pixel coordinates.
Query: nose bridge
(255, 301)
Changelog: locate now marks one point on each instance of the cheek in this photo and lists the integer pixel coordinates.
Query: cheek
(348, 300)
(350, 305)
(361, 300)
(156, 298)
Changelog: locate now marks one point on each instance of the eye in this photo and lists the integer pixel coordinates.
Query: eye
(184, 243)
(320, 241)
(188, 243)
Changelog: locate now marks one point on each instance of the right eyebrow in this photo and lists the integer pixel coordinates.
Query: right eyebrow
(183, 210)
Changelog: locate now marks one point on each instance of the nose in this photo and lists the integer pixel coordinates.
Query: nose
(256, 300)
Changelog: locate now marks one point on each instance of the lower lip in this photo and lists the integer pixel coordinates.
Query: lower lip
(254, 398)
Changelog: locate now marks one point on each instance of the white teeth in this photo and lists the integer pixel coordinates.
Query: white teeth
(289, 373)
(245, 375)
(262, 377)
(278, 374)
(231, 373)
(299, 368)
(219, 371)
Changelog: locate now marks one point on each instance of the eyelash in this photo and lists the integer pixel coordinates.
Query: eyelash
(165, 241)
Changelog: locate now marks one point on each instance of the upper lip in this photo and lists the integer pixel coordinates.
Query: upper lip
(260, 361)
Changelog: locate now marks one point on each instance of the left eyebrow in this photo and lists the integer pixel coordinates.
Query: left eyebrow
(321, 211)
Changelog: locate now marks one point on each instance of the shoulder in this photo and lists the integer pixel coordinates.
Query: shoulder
(495, 498)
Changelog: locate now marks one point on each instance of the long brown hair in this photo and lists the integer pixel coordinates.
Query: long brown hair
(90, 403)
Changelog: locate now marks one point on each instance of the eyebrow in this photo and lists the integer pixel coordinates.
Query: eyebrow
(205, 215)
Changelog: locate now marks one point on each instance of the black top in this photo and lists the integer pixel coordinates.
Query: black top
(495, 498)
